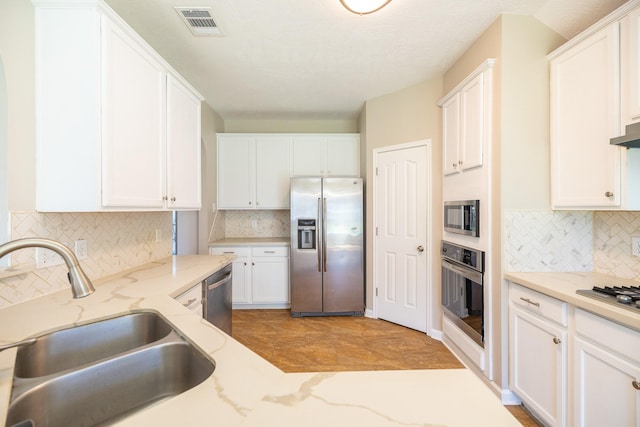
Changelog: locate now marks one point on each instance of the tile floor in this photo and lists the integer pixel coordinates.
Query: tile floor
(317, 344)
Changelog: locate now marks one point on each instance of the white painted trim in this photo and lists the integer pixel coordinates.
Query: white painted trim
(486, 65)
(509, 398)
(614, 16)
(369, 313)
(429, 247)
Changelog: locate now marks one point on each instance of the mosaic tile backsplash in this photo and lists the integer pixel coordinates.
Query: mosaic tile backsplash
(255, 223)
(116, 242)
(612, 252)
(597, 241)
(548, 241)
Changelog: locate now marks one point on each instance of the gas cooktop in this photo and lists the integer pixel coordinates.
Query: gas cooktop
(625, 297)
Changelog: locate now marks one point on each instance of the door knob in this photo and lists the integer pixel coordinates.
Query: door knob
(420, 249)
(608, 194)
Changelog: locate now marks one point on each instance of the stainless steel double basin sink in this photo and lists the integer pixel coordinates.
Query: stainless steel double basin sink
(101, 372)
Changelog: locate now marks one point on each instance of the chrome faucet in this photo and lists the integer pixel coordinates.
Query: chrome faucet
(81, 286)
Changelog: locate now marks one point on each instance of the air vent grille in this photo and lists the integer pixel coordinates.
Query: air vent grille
(199, 20)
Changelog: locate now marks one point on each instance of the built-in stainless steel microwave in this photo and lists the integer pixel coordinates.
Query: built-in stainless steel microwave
(462, 217)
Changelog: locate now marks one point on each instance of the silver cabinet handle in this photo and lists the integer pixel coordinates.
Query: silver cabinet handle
(556, 340)
(636, 384)
(608, 194)
(420, 249)
(528, 301)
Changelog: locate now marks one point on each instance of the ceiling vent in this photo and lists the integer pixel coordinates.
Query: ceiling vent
(200, 21)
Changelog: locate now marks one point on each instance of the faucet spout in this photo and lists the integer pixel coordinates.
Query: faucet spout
(81, 286)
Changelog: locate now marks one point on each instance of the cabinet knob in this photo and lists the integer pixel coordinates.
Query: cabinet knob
(636, 384)
(453, 165)
(608, 194)
(164, 197)
(556, 340)
(173, 199)
(420, 249)
(460, 162)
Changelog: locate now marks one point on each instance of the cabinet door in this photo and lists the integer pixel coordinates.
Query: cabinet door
(585, 168)
(309, 156)
(472, 123)
(183, 147)
(537, 365)
(604, 394)
(270, 280)
(241, 284)
(236, 172)
(343, 156)
(451, 134)
(272, 172)
(133, 131)
(630, 48)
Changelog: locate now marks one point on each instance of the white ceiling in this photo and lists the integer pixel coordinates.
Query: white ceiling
(295, 59)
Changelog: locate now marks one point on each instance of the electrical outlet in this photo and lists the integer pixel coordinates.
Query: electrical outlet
(158, 235)
(46, 258)
(635, 246)
(81, 249)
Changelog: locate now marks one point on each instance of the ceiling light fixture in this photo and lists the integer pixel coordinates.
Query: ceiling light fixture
(364, 7)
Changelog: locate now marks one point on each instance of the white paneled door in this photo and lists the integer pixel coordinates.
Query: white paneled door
(401, 236)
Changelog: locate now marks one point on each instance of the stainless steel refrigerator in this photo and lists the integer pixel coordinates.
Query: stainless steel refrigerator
(327, 266)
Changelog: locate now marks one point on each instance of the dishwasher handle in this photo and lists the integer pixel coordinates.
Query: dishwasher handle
(214, 285)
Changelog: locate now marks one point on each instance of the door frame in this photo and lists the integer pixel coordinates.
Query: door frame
(429, 226)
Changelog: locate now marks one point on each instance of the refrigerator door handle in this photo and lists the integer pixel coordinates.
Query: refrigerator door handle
(318, 240)
(324, 233)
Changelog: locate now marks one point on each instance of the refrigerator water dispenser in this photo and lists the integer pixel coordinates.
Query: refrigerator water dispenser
(307, 234)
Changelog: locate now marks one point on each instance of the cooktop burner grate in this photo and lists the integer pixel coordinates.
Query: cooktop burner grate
(625, 297)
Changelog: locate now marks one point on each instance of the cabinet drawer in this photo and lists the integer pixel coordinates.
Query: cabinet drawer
(270, 251)
(240, 251)
(535, 302)
(605, 333)
(192, 299)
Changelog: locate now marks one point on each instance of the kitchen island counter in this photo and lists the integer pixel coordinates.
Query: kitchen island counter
(251, 241)
(246, 390)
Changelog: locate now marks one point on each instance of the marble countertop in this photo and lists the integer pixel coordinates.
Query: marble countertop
(563, 286)
(252, 241)
(246, 390)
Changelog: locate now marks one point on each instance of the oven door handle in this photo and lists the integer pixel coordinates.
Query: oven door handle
(467, 273)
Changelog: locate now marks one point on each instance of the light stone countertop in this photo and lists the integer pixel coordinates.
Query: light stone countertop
(563, 286)
(246, 390)
(252, 241)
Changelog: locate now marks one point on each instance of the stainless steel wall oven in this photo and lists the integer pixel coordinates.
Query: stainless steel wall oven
(462, 289)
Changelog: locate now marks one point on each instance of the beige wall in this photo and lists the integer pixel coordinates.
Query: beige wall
(405, 116)
(212, 123)
(291, 126)
(17, 53)
(525, 112)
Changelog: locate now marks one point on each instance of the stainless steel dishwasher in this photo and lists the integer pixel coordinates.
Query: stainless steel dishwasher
(217, 299)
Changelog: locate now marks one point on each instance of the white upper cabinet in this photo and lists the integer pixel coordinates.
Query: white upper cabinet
(326, 155)
(585, 168)
(466, 121)
(236, 172)
(594, 93)
(133, 122)
(183, 146)
(253, 171)
(117, 128)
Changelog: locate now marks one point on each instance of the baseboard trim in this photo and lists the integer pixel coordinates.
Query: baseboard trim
(369, 313)
(509, 398)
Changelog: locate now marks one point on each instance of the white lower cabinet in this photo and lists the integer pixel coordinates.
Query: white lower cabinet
(606, 375)
(538, 353)
(260, 275)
